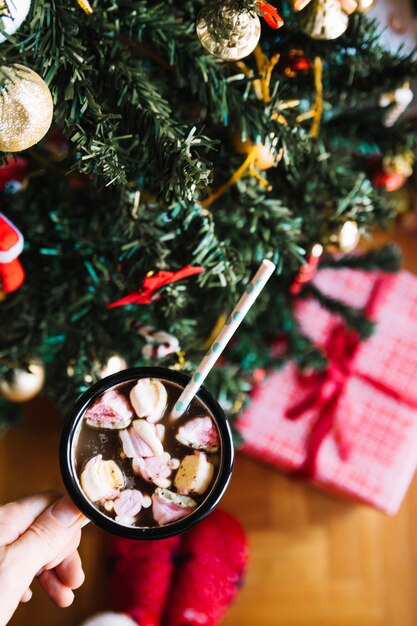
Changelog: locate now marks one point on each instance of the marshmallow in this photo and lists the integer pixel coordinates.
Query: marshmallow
(101, 480)
(194, 474)
(149, 399)
(141, 440)
(199, 433)
(168, 507)
(154, 469)
(111, 410)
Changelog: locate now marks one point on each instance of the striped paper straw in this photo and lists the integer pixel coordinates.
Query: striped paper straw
(252, 291)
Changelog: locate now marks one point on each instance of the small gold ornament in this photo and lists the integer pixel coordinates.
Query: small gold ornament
(26, 108)
(25, 383)
(324, 19)
(399, 163)
(226, 33)
(115, 363)
(346, 239)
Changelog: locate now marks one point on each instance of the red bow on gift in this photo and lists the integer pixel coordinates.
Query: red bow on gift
(147, 295)
(270, 15)
(328, 386)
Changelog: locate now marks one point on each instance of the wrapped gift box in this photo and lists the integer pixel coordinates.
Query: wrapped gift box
(353, 427)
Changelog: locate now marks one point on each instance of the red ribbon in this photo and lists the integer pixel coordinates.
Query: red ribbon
(270, 15)
(328, 386)
(147, 294)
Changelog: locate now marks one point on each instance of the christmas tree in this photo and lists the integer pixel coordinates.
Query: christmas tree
(178, 159)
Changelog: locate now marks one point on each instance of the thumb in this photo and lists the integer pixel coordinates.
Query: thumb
(46, 538)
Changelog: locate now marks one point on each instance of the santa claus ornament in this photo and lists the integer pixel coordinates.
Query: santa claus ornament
(189, 579)
(12, 274)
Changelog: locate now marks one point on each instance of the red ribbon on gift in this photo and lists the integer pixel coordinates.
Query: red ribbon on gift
(147, 293)
(328, 386)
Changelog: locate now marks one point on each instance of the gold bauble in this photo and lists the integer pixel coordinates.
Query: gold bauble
(26, 108)
(115, 363)
(324, 19)
(399, 163)
(243, 31)
(25, 384)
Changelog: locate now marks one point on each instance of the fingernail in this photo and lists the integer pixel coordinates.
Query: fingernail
(66, 512)
(85, 522)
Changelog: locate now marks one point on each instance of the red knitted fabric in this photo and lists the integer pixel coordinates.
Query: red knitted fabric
(188, 580)
(214, 556)
(141, 576)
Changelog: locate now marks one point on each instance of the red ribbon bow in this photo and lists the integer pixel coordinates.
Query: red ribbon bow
(270, 15)
(328, 387)
(147, 295)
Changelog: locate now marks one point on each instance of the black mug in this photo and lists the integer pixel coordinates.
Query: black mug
(69, 440)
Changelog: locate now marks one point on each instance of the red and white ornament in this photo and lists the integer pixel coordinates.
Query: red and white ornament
(12, 274)
(400, 99)
(159, 343)
(307, 271)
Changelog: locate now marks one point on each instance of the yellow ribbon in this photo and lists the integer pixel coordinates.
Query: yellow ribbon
(238, 403)
(247, 163)
(86, 6)
(220, 322)
(318, 107)
(316, 110)
(261, 86)
(265, 67)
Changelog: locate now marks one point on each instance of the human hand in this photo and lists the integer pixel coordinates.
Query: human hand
(39, 537)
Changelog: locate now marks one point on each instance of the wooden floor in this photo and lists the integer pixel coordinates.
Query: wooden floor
(316, 560)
